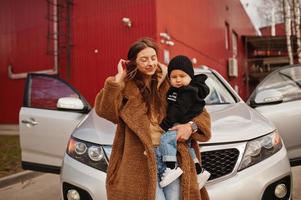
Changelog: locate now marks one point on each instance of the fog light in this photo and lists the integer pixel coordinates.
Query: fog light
(73, 195)
(280, 191)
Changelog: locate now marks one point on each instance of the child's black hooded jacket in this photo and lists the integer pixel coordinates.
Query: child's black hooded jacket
(186, 102)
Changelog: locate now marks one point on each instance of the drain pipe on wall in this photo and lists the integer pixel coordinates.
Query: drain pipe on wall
(52, 71)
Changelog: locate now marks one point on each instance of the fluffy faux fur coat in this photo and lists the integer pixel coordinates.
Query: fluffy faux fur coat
(132, 172)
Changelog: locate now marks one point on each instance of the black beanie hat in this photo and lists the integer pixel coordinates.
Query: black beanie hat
(182, 63)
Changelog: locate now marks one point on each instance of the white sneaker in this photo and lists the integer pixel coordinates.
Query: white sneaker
(170, 175)
(203, 178)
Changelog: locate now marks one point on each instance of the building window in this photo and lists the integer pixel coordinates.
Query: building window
(234, 44)
(227, 36)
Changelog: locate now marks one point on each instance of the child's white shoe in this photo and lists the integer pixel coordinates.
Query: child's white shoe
(203, 178)
(170, 175)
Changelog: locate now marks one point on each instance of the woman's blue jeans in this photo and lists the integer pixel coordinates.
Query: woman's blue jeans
(171, 191)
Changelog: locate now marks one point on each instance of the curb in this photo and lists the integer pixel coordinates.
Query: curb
(18, 177)
(9, 129)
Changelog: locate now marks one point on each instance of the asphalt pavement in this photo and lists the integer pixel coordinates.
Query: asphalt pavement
(46, 186)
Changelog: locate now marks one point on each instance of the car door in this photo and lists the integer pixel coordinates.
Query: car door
(46, 122)
(278, 98)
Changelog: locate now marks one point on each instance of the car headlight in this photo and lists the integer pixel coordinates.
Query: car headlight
(260, 149)
(88, 153)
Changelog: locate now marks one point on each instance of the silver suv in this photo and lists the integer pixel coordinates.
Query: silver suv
(60, 133)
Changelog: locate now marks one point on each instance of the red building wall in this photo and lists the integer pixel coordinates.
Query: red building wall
(279, 30)
(100, 39)
(97, 27)
(23, 32)
(198, 30)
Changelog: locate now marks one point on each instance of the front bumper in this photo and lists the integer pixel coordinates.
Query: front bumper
(252, 182)
(75, 174)
(248, 184)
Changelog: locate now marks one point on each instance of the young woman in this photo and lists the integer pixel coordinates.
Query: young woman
(134, 99)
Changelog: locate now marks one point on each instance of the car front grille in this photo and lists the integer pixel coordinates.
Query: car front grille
(219, 162)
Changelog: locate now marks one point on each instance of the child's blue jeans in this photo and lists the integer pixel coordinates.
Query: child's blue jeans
(168, 147)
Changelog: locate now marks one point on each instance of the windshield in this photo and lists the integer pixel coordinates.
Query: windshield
(287, 81)
(219, 94)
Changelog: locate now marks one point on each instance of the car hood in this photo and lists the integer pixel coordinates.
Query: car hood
(237, 122)
(230, 123)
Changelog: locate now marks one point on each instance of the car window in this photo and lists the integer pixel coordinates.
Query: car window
(43, 91)
(219, 94)
(286, 81)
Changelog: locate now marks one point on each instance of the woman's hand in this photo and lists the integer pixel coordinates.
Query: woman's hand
(162, 65)
(184, 131)
(121, 71)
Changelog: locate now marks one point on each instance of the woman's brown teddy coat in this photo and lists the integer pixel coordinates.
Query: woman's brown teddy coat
(132, 172)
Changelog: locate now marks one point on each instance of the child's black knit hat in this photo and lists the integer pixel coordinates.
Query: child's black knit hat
(182, 63)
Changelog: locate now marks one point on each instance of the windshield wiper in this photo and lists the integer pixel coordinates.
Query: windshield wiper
(290, 78)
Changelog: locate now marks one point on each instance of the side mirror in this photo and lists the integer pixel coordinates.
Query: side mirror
(267, 97)
(70, 103)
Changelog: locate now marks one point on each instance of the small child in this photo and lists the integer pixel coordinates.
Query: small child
(185, 101)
